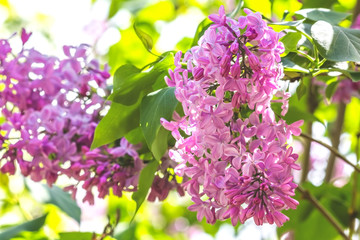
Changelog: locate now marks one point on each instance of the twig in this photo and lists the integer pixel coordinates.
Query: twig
(311, 106)
(307, 150)
(356, 11)
(306, 194)
(335, 133)
(332, 149)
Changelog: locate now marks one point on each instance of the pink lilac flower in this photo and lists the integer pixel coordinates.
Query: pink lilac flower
(345, 91)
(228, 143)
(165, 180)
(51, 108)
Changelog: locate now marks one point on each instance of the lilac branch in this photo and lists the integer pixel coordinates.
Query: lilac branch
(306, 194)
(335, 133)
(332, 149)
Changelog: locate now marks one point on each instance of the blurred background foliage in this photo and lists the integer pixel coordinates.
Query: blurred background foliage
(38, 212)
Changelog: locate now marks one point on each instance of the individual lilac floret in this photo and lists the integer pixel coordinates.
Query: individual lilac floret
(228, 143)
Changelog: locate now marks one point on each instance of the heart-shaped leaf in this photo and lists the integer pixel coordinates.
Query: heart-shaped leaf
(336, 43)
(324, 14)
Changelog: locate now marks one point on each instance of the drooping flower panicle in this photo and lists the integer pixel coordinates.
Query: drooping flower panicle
(228, 141)
(51, 108)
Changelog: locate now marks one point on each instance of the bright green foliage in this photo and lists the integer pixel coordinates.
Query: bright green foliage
(128, 234)
(145, 180)
(318, 3)
(290, 66)
(130, 83)
(64, 201)
(323, 14)
(159, 104)
(130, 86)
(145, 38)
(309, 222)
(205, 24)
(336, 43)
(76, 235)
(33, 225)
(330, 90)
(301, 90)
(290, 41)
(118, 121)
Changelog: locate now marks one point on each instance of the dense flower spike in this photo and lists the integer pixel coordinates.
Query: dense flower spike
(229, 143)
(51, 108)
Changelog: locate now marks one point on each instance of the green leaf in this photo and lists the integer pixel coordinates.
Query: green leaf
(159, 104)
(295, 66)
(32, 226)
(117, 122)
(294, 114)
(300, 90)
(354, 75)
(145, 38)
(330, 89)
(123, 74)
(291, 66)
(131, 87)
(134, 88)
(336, 43)
(318, 3)
(299, 26)
(239, 5)
(75, 235)
(135, 136)
(290, 41)
(306, 222)
(130, 84)
(145, 181)
(317, 14)
(278, 26)
(128, 234)
(184, 44)
(200, 30)
(160, 143)
(64, 201)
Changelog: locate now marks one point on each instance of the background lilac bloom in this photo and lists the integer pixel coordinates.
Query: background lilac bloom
(53, 105)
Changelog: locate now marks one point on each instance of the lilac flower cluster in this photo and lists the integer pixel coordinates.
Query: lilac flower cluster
(50, 109)
(228, 141)
(165, 180)
(346, 90)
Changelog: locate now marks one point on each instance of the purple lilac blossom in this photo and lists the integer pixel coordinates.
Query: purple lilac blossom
(345, 91)
(51, 108)
(228, 142)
